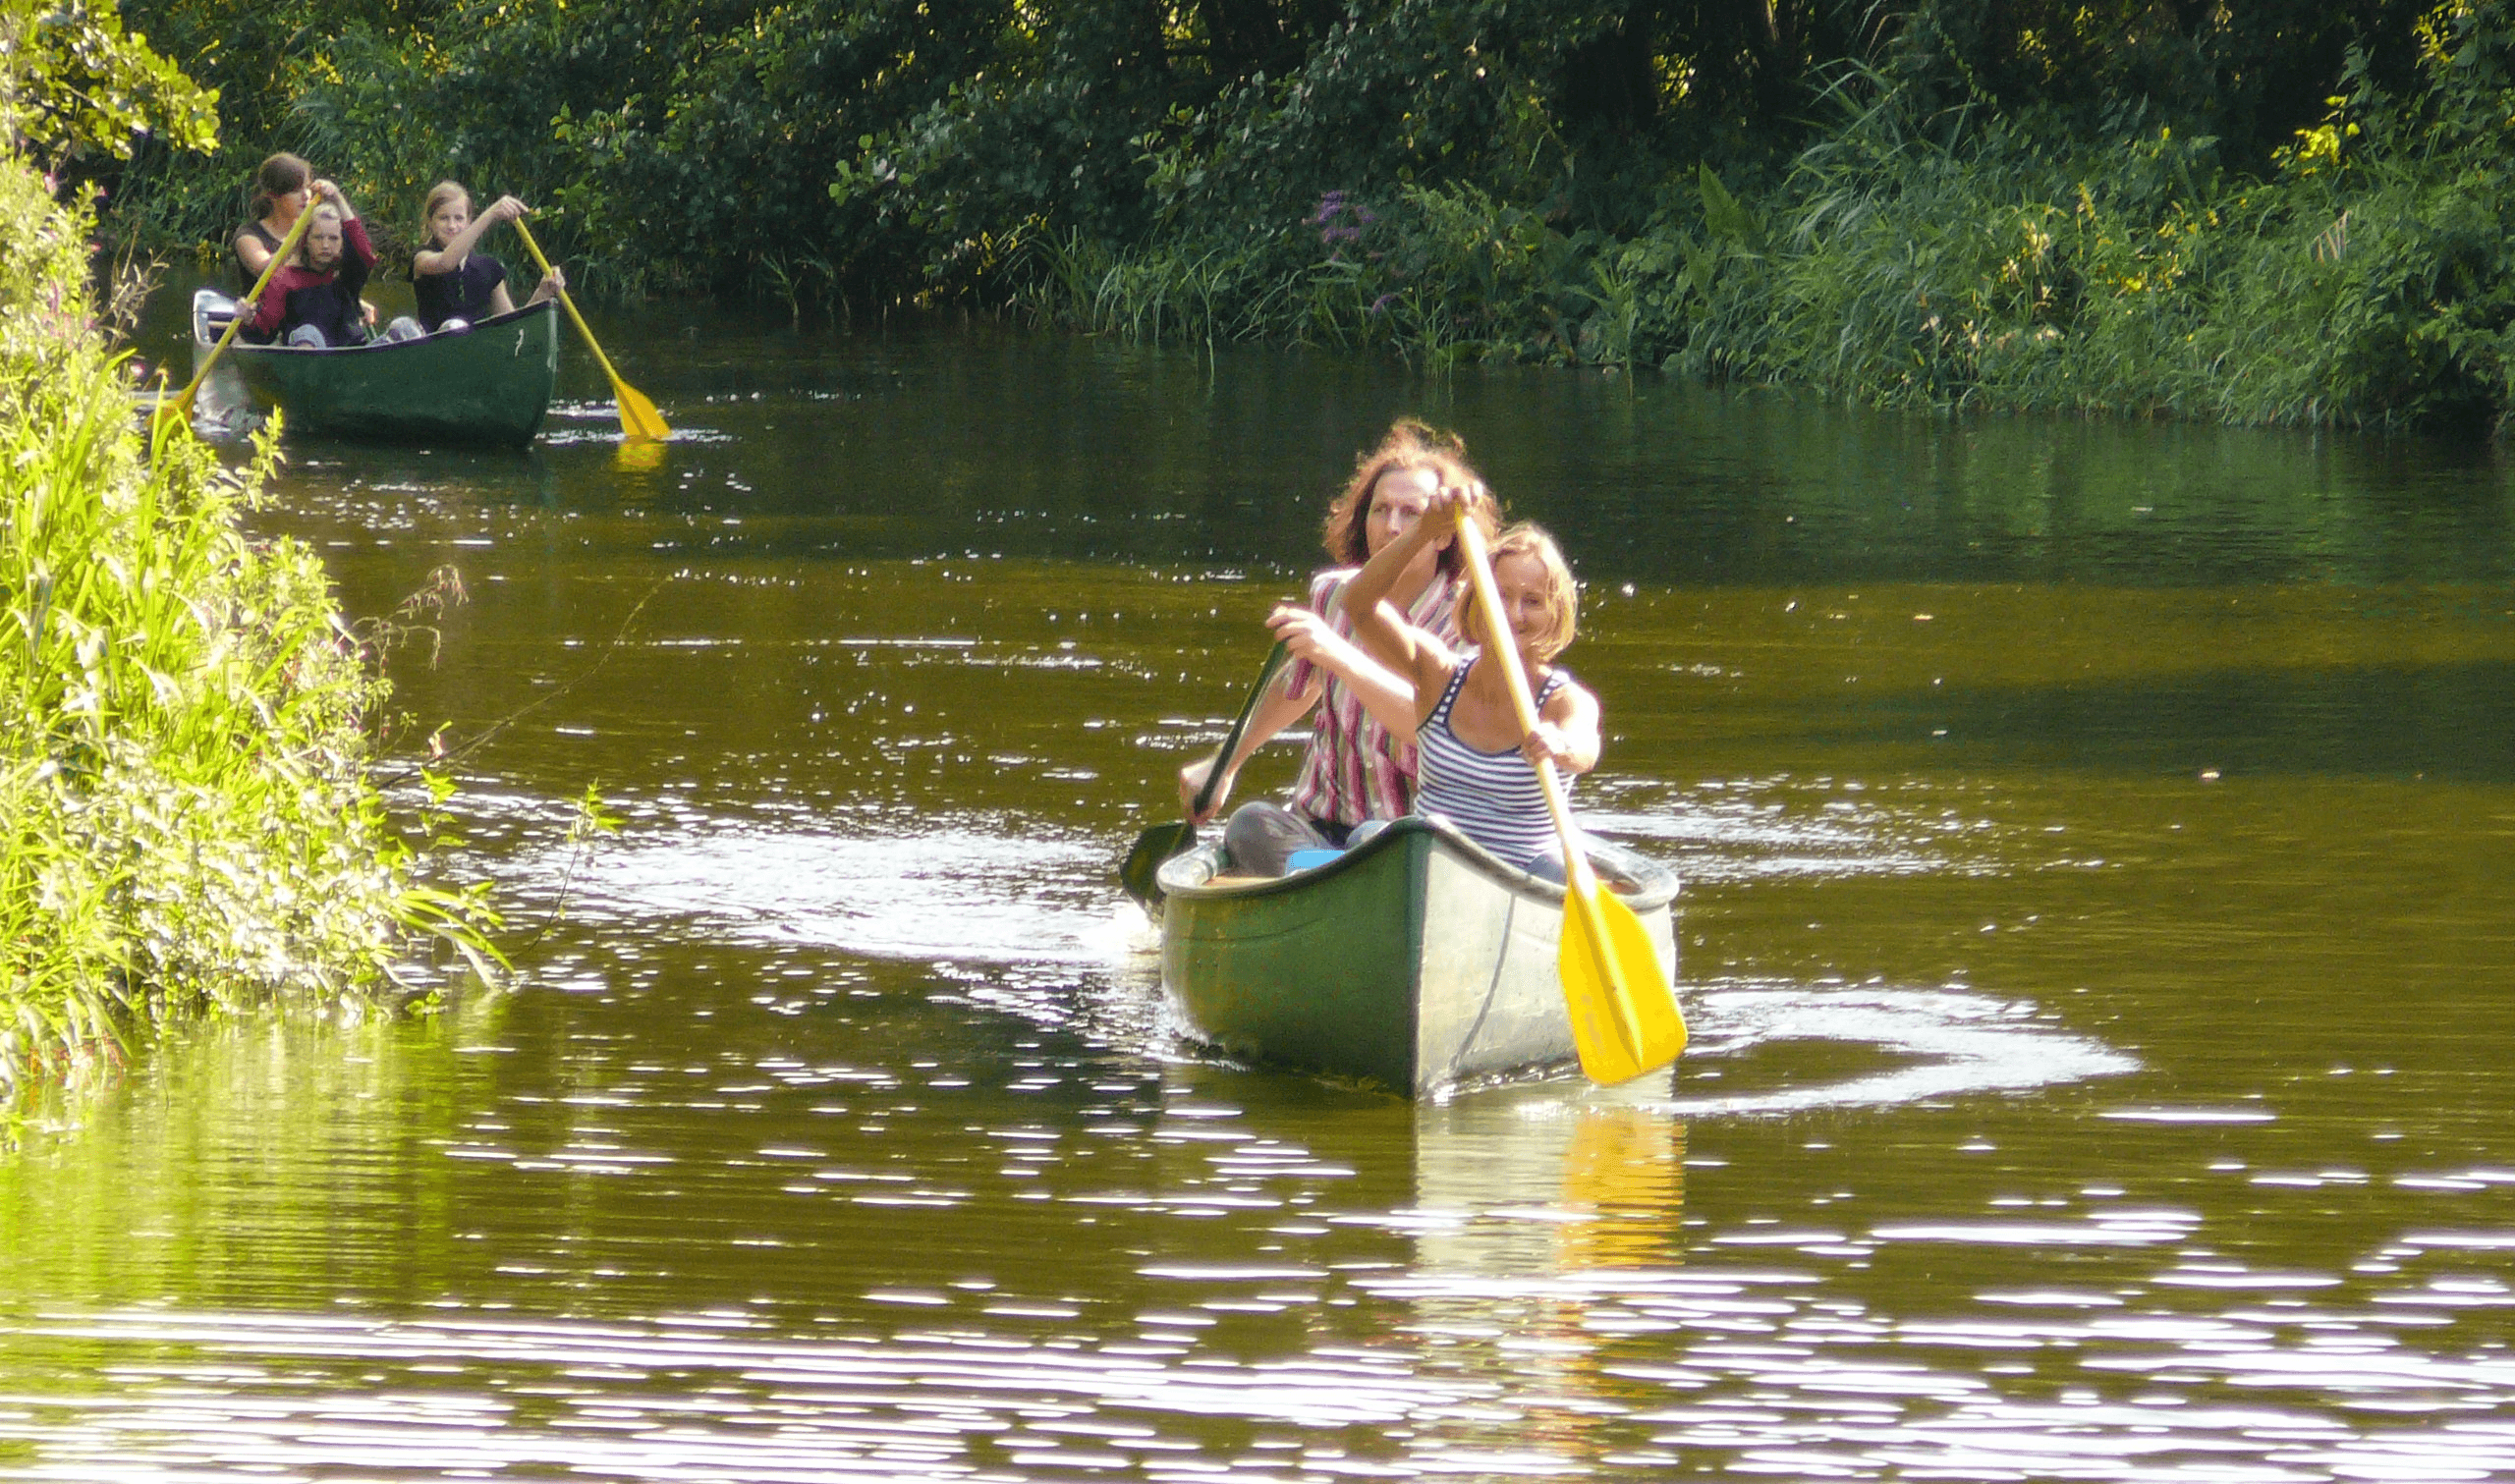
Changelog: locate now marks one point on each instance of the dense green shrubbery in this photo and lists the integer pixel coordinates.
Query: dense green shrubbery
(1963, 258)
(186, 816)
(2122, 204)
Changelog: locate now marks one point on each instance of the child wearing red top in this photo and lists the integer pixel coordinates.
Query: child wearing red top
(313, 298)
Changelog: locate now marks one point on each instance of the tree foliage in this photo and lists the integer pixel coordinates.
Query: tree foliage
(1791, 189)
(76, 87)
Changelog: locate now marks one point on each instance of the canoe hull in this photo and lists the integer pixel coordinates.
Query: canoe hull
(490, 384)
(1417, 960)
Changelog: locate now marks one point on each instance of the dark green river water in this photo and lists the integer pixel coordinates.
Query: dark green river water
(2095, 940)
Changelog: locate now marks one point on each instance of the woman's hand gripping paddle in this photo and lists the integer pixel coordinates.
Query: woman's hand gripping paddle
(1624, 1018)
(637, 416)
(178, 408)
(1156, 845)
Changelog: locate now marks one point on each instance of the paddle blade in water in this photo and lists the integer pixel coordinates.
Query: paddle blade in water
(1143, 863)
(637, 416)
(1624, 1018)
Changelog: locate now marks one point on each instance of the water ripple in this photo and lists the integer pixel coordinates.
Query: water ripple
(1958, 1041)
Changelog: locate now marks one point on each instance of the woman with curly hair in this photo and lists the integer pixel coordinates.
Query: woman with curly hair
(1360, 765)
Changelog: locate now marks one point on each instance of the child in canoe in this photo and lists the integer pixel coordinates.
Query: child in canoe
(457, 285)
(1477, 766)
(313, 300)
(282, 191)
(1358, 765)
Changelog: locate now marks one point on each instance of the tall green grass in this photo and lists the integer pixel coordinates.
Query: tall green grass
(1944, 260)
(186, 822)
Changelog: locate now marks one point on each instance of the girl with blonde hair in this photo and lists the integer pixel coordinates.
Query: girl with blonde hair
(457, 285)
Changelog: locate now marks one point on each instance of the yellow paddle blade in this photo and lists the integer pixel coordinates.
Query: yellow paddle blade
(1624, 1018)
(637, 416)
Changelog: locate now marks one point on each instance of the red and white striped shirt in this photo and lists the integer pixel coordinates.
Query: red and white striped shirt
(1355, 770)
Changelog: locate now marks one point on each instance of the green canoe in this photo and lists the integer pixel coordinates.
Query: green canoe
(1415, 960)
(488, 384)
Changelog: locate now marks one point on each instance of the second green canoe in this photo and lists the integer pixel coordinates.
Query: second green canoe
(488, 384)
(1415, 960)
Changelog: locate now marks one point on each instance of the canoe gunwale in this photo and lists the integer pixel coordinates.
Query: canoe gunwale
(207, 302)
(1188, 876)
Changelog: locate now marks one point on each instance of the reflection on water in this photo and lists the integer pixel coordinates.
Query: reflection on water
(1537, 1181)
(2095, 845)
(1537, 1293)
(943, 893)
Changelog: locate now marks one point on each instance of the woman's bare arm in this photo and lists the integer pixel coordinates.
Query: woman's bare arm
(1386, 696)
(1416, 655)
(1567, 731)
(252, 254)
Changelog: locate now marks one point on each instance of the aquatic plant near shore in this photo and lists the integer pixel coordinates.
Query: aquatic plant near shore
(186, 816)
(2127, 208)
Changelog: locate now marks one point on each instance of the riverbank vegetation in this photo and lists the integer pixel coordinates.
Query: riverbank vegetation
(187, 817)
(2291, 211)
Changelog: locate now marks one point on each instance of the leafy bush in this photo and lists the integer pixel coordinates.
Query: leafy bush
(185, 815)
(77, 88)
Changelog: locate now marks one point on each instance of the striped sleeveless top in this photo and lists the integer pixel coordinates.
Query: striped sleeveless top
(1493, 798)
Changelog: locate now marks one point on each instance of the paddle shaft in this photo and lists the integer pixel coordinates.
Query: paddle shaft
(1160, 841)
(637, 416)
(565, 302)
(1581, 890)
(1275, 658)
(288, 244)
